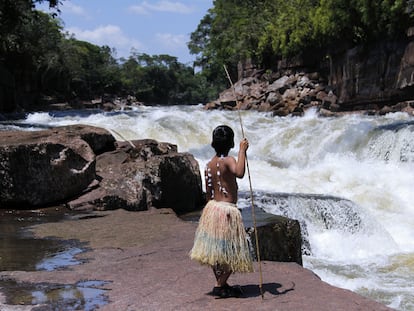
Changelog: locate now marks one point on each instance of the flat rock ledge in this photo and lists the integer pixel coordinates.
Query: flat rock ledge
(144, 257)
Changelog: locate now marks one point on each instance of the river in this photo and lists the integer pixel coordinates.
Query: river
(348, 180)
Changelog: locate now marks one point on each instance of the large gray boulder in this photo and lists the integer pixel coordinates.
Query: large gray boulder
(83, 167)
(44, 167)
(144, 174)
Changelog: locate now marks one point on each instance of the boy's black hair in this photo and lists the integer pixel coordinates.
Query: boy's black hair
(223, 140)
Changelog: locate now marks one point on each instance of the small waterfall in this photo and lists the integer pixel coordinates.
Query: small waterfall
(392, 142)
(325, 215)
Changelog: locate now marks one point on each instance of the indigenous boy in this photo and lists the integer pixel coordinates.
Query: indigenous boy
(220, 240)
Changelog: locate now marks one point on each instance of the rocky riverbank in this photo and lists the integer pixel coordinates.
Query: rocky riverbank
(375, 79)
(296, 92)
(143, 259)
(136, 246)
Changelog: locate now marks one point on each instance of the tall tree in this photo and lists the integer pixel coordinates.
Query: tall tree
(91, 69)
(22, 36)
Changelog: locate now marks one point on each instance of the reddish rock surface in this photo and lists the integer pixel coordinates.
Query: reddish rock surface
(144, 256)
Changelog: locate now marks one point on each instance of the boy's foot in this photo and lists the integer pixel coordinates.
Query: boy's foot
(237, 291)
(227, 291)
(217, 291)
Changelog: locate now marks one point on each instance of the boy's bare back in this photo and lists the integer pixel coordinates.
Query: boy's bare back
(221, 173)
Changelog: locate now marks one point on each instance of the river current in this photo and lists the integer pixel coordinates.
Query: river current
(348, 180)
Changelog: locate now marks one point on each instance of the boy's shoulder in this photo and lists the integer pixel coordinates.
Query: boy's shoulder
(228, 159)
(215, 160)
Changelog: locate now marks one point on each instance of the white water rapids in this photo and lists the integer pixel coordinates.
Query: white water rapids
(348, 180)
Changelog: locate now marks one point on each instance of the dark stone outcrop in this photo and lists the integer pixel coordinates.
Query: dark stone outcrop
(279, 241)
(374, 79)
(44, 167)
(84, 167)
(373, 76)
(142, 174)
(280, 238)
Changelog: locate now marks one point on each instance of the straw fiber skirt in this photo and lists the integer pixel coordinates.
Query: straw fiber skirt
(221, 238)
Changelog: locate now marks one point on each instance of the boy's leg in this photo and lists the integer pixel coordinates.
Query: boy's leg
(222, 273)
(222, 289)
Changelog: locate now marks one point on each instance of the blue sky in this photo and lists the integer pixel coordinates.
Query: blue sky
(152, 27)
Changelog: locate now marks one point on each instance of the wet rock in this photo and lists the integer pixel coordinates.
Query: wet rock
(83, 167)
(281, 83)
(279, 238)
(405, 77)
(273, 98)
(384, 110)
(43, 167)
(145, 255)
(281, 241)
(142, 174)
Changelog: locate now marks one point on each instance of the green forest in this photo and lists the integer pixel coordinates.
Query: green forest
(38, 60)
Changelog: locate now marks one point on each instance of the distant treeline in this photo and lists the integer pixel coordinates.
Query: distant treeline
(38, 60)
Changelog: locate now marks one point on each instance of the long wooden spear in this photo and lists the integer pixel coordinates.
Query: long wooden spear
(251, 189)
(122, 137)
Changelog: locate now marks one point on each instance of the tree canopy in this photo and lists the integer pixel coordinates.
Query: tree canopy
(38, 60)
(268, 30)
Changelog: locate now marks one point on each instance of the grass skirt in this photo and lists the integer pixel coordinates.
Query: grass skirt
(221, 238)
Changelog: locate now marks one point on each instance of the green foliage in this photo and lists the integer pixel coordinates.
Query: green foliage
(91, 70)
(21, 25)
(162, 79)
(230, 32)
(37, 59)
(234, 30)
(291, 27)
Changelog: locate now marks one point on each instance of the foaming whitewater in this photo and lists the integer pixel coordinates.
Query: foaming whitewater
(348, 181)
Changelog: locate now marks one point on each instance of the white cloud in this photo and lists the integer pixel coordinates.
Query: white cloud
(69, 7)
(139, 9)
(170, 41)
(109, 35)
(161, 6)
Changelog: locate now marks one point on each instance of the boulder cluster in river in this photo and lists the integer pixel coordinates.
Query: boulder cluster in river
(374, 79)
(287, 95)
(293, 94)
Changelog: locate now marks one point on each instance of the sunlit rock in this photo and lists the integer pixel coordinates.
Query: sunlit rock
(45, 167)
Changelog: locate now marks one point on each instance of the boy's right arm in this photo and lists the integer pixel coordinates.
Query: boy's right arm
(240, 165)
